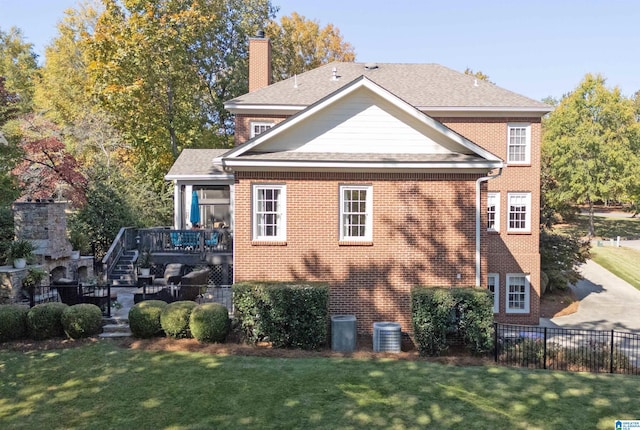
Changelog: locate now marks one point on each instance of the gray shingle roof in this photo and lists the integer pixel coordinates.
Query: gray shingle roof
(196, 162)
(421, 85)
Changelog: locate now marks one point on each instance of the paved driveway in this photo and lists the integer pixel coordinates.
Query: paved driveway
(606, 302)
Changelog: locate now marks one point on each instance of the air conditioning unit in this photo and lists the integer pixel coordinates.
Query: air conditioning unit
(387, 337)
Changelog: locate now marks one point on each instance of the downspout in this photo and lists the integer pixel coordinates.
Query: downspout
(478, 217)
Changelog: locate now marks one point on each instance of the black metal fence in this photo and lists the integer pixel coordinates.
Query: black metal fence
(576, 350)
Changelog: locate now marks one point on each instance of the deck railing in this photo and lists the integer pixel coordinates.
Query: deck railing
(158, 240)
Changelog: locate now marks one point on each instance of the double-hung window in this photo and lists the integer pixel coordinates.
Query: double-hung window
(518, 143)
(493, 211)
(356, 212)
(269, 212)
(519, 212)
(493, 284)
(259, 127)
(517, 293)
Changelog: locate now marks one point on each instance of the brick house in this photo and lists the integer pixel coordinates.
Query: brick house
(379, 177)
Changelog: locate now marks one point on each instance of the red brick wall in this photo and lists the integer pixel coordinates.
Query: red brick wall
(510, 252)
(423, 234)
(243, 125)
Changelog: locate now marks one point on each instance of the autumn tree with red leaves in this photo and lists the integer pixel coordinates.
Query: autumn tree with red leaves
(48, 171)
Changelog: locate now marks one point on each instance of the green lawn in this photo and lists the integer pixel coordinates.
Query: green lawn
(101, 386)
(609, 228)
(623, 262)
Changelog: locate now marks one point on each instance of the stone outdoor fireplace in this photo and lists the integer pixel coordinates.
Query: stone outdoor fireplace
(44, 223)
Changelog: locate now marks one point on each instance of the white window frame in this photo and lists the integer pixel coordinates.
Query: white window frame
(518, 199)
(493, 199)
(516, 141)
(280, 212)
(493, 279)
(509, 294)
(254, 124)
(368, 213)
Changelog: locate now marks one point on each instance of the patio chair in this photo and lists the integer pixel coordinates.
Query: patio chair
(192, 283)
(213, 240)
(172, 275)
(67, 290)
(176, 240)
(190, 239)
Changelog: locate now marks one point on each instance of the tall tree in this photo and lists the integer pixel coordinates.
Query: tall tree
(591, 141)
(19, 67)
(63, 90)
(300, 45)
(163, 69)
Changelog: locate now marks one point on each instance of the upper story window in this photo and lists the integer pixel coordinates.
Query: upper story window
(356, 212)
(269, 212)
(259, 127)
(493, 211)
(519, 212)
(519, 143)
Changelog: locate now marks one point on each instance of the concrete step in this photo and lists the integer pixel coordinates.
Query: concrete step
(119, 328)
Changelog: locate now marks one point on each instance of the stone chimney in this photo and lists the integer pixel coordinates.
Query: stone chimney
(259, 61)
(43, 223)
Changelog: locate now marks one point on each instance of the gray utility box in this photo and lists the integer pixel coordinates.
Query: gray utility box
(343, 333)
(387, 337)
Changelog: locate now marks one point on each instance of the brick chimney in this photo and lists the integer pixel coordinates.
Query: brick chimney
(259, 61)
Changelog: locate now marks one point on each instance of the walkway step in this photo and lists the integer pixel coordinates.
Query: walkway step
(118, 328)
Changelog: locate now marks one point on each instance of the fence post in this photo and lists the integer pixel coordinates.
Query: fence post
(611, 353)
(495, 341)
(544, 364)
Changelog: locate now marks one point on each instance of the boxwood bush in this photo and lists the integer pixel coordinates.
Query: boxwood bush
(174, 319)
(439, 314)
(286, 314)
(13, 322)
(210, 322)
(144, 318)
(44, 321)
(82, 320)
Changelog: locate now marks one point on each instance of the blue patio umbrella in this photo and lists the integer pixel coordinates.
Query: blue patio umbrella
(194, 216)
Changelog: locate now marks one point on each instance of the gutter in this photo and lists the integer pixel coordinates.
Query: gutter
(478, 217)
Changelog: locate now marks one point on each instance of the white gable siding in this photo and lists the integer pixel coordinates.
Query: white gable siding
(363, 123)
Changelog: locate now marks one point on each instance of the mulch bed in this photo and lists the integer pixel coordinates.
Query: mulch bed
(364, 349)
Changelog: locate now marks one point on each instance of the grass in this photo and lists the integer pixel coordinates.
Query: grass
(622, 262)
(104, 386)
(605, 227)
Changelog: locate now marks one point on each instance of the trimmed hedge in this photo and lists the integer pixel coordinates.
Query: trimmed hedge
(209, 322)
(144, 318)
(82, 320)
(287, 314)
(13, 322)
(441, 313)
(174, 319)
(44, 321)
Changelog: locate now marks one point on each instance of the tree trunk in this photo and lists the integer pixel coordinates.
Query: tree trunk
(592, 229)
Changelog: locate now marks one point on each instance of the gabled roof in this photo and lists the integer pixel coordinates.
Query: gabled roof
(428, 87)
(197, 164)
(334, 133)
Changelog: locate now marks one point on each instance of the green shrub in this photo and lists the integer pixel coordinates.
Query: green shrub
(13, 322)
(82, 320)
(210, 322)
(286, 314)
(174, 319)
(44, 321)
(439, 314)
(144, 318)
